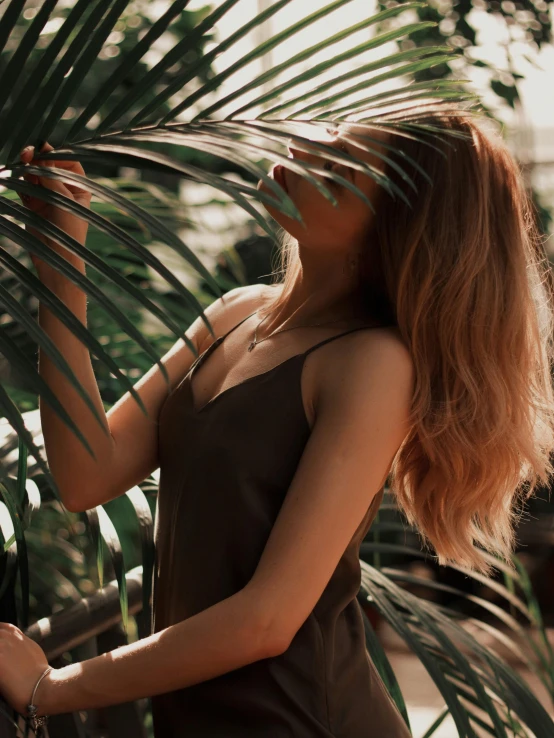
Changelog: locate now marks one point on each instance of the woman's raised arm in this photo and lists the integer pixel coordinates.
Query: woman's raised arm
(127, 454)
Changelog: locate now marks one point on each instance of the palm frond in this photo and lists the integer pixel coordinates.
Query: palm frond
(120, 148)
(9, 548)
(475, 674)
(103, 532)
(383, 665)
(16, 513)
(308, 53)
(59, 308)
(507, 619)
(203, 64)
(324, 87)
(141, 507)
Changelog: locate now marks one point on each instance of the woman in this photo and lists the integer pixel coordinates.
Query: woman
(410, 341)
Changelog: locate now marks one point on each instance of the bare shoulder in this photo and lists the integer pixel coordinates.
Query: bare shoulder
(222, 314)
(231, 308)
(379, 347)
(364, 365)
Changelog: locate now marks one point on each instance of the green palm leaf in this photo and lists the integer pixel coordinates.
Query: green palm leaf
(59, 308)
(273, 133)
(323, 87)
(103, 532)
(9, 548)
(131, 60)
(9, 499)
(424, 627)
(12, 414)
(230, 135)
(91, 259)
(311, 51)
(199, 67)
(536, 662)
(340, 58)
(442, 633)
(79, 70)
(437, 723)
(23, 106)
(379, 657)
(406, 69)
(141, 507)
(16, 65)
(40, 95)
(258, 52)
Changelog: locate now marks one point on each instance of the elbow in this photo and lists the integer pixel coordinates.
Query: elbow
(79, 500)
(69, 501)
(273, 638)
(270, 644)
(279, 646)
(269, 633)
(69, 493)
(78, 493)
(74, 506)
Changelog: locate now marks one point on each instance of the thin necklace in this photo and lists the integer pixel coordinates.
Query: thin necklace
(313, 325)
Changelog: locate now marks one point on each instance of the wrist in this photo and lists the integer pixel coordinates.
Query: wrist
(49, 695)
(63, 287)
(46, 272)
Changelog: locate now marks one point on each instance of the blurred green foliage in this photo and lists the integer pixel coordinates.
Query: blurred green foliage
(525, 21)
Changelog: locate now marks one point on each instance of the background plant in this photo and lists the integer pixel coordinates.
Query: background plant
(524, 20)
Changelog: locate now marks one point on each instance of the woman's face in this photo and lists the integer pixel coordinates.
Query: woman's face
(341, 227)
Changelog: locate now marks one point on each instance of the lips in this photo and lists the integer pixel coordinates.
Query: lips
(279, 176)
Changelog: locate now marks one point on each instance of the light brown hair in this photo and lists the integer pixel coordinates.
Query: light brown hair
(463, 274)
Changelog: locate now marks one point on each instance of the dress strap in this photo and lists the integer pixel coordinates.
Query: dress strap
(236, 326)
(200, 358)
(339, 335)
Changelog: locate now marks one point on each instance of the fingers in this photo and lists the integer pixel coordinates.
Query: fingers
(73, 191)
(26, 157)
(29, 156)
(46, 148)
(10, 627)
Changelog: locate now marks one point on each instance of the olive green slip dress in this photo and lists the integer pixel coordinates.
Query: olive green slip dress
(225, 470)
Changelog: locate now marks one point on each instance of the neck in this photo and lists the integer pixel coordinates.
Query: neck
(326, 288)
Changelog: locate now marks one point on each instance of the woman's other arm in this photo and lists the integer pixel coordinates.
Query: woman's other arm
(129, 453)
(125, 448)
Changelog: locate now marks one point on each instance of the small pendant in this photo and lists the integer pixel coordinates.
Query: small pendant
(252, 345)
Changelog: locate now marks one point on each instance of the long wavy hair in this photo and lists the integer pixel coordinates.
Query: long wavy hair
(462, 272)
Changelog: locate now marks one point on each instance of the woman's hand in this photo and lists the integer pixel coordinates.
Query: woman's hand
(66, 221)
(22, 661)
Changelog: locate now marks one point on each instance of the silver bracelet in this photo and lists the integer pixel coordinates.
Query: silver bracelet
(37, 722)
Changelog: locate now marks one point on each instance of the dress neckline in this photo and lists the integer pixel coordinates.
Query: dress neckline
(247, 380)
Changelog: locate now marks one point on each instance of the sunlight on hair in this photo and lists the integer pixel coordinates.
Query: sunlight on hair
(464, 276)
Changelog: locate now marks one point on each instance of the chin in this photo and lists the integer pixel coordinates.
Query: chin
(262, 187)
(277, 215)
